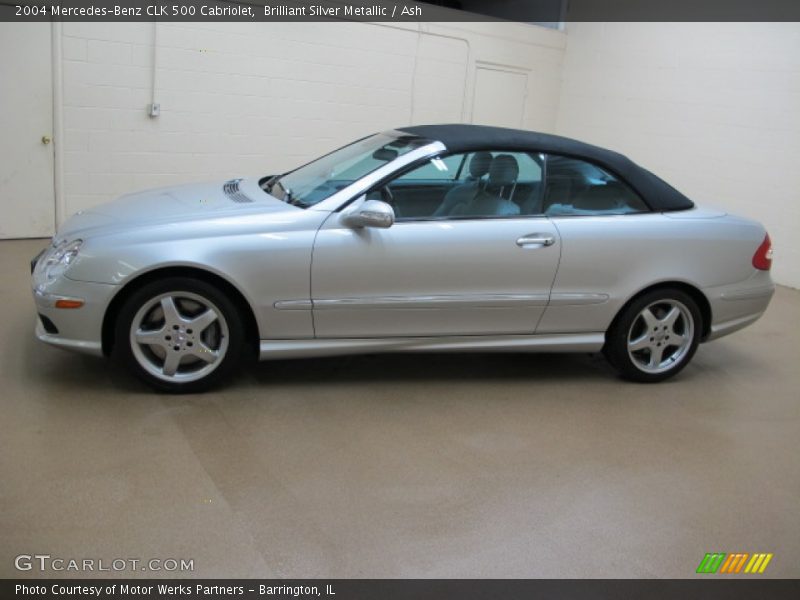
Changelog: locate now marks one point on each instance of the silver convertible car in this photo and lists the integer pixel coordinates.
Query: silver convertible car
(427, 238)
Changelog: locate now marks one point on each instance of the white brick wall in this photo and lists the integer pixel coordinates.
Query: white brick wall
(714, 108)
(239, 99)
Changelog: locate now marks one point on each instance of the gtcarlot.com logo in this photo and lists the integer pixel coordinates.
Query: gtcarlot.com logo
(734, 563)
(46, 562)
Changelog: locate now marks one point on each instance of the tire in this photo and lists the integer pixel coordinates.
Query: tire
(655, 336)
(179, 335)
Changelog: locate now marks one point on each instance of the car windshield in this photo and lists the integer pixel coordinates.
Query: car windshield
(327, 175)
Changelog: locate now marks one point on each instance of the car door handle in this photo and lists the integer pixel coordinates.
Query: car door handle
(536, 239)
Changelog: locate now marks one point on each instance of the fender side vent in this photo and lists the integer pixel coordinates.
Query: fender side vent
(231, 189)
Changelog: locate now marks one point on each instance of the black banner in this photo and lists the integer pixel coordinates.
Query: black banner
(534, 11)
(735, 588)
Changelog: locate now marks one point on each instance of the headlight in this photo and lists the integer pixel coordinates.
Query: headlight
(56, 262)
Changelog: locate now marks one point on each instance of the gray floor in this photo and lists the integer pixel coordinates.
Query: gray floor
(404, 466)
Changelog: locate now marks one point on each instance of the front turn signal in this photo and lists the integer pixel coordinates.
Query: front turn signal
(64, 303)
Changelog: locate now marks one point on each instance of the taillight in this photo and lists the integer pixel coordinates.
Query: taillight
(762, 259)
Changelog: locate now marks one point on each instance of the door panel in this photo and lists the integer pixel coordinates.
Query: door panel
(27, 195)
(424, 278)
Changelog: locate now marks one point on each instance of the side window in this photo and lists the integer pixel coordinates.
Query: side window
(576, 187)
(482, 184)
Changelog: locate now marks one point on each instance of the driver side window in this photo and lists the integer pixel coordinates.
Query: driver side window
(482, 184)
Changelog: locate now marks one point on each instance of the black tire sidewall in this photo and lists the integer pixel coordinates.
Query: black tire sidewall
(236, 333)
(616, 346)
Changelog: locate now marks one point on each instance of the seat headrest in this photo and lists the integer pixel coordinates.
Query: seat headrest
(479, 164)
(504, 170)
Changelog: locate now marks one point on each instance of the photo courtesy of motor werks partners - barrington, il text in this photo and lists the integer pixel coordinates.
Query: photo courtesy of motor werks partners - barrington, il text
(169, 590)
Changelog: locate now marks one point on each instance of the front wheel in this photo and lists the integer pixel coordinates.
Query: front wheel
(179, 335)
(655, 336)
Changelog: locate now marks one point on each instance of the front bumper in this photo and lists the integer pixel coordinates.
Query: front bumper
(94, 348)
(78, 329)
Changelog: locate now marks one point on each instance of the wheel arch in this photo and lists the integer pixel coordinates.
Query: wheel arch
(693, 291)
(236, 296)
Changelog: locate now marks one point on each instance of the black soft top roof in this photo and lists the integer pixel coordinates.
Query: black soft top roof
(658, 194)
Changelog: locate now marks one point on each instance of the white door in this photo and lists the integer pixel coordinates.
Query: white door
(499, 97)
(27, 195)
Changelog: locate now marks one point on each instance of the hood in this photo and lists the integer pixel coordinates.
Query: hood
(175, 204)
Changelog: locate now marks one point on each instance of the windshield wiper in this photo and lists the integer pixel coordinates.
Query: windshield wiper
(287, 197)
(277, 182)
(270, 184)
(267, 187)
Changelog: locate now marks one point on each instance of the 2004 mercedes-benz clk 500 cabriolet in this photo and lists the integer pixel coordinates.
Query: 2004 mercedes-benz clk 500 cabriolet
(426, 238)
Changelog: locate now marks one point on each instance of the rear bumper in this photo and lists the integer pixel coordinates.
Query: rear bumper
(737, 306)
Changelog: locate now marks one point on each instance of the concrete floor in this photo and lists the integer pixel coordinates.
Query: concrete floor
(404, 466)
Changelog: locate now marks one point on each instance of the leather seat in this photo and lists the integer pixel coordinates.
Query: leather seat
(491, 201)
(479, 166)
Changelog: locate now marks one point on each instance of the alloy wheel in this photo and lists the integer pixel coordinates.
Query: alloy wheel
(179, 337)
(660, 336)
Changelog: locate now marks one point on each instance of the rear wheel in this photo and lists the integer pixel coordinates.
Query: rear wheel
(179, 335)
(655, 336)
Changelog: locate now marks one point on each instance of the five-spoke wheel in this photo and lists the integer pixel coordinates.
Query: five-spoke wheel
(660, 336)
(182, 334)
(179, 336)
(655, 336)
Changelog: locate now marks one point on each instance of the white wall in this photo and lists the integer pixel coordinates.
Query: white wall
(240, 99)
(714, 108)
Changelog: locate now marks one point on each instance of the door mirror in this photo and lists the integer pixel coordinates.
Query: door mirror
(371, 213)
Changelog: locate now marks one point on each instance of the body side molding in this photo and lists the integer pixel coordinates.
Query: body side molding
(433, 301)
